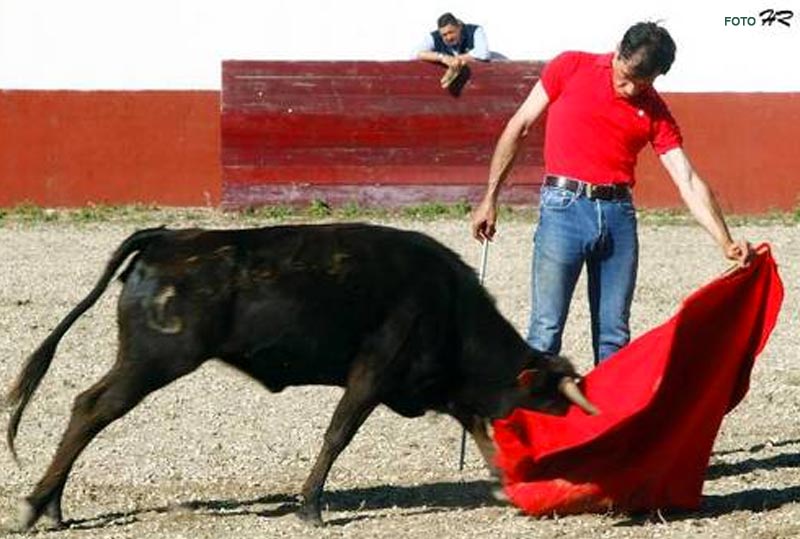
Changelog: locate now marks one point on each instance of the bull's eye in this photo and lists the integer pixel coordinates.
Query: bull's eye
(527, 378)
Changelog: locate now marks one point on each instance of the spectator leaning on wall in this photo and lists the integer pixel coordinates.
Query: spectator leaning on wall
(453, 44)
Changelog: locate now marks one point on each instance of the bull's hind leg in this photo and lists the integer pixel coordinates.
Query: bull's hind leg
(122, 388)
(353, 409)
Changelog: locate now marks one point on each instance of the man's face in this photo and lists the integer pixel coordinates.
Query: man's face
(451, 34)
(626, 84)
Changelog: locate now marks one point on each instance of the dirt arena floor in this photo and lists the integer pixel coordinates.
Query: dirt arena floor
(215, 455)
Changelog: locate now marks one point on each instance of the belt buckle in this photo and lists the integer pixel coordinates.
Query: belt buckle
(588, 189)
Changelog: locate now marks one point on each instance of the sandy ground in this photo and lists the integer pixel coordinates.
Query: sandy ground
(215, 455)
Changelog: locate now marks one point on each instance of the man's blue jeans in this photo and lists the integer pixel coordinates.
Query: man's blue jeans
(574, 230)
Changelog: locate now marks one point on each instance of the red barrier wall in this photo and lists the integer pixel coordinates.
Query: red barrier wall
(744, 144)
(371, 132)
(66, 148)
(385, 133)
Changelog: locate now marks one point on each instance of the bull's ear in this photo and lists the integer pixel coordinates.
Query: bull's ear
(561, 365)
(526, 378)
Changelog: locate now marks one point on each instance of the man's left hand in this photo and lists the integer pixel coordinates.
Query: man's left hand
(740, 252)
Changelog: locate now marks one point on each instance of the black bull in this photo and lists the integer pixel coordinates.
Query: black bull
(392, 316)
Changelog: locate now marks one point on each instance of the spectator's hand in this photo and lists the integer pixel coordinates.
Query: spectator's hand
(449, 76)
(740, 252)
(484, 218)
(453, 62)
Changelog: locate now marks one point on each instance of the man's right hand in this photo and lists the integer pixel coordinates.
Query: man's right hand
(484, 218)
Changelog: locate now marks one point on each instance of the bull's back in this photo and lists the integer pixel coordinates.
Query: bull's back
(289, 304)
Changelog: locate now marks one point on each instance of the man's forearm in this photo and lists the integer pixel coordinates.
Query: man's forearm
(702, 203)
(431, 56)
(512, 136)
(502, 159)
(697, 195)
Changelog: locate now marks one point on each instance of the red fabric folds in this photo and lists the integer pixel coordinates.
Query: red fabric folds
(662, 399)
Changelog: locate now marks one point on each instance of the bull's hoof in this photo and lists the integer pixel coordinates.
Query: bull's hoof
(310, 514)
(494, 471)
(27, 516)
(499, 494)
(51, 518)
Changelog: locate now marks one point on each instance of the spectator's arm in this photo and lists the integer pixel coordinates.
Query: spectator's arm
(424, 50)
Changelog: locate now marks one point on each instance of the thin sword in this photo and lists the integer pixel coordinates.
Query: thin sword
(481, 277)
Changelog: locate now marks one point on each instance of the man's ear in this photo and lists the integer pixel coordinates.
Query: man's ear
(526, 378)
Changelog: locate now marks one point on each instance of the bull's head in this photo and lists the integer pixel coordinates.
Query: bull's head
(549, 385)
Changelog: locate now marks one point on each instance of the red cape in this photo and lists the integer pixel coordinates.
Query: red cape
(662, 399)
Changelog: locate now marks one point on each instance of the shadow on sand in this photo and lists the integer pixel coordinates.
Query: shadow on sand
(428, 498)
(756, 500)
(447, 496)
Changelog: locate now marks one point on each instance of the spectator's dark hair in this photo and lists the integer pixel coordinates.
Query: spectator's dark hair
(447, 18)
(651, 46)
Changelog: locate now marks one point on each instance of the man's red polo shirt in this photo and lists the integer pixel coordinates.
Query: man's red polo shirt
(592, 133)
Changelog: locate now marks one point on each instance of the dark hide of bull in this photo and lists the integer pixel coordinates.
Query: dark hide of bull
(391, 316)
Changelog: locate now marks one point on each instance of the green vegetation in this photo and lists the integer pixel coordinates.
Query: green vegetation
(269, 213)
(29, 213)
(319, 210)
(436, 210)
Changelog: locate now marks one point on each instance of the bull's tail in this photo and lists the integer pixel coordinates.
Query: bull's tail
(39, 361)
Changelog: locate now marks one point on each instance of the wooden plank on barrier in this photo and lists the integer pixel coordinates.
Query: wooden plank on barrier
(327, 128)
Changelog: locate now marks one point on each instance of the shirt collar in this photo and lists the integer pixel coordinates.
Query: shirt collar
(604, 60)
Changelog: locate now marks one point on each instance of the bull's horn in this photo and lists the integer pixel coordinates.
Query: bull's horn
(570, 389)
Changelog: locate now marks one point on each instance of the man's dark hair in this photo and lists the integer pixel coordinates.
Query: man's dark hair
(447, 18)
(650, 46)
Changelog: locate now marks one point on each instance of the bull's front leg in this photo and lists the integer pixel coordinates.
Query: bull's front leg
(351, 412)
(478, 429)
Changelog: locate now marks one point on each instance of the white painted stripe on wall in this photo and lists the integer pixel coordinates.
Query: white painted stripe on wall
(179, 44)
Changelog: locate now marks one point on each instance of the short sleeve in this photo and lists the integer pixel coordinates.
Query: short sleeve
(557, 71)
(666, 135)
(480, 49)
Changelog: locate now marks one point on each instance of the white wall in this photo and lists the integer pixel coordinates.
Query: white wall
(178, 44)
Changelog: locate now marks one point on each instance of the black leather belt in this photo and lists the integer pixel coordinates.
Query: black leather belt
(609, 191)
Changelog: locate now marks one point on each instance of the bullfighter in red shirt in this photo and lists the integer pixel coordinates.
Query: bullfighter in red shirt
(601, 111)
